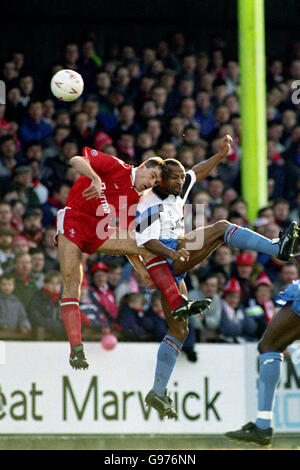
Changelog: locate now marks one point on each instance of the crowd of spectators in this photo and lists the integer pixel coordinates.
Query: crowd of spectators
(169, 100)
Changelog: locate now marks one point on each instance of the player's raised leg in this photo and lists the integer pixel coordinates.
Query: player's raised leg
(70, 259)
(203, 241)
(168, 351)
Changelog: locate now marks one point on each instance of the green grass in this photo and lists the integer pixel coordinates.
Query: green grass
(136, 442)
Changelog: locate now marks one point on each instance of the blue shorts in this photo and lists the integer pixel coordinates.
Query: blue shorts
(173, 244)
(291, 294)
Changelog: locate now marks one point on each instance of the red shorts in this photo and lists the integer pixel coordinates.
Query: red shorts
(82, 229)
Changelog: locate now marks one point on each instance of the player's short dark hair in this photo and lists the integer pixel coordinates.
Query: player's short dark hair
(154, 162)
(170, 163)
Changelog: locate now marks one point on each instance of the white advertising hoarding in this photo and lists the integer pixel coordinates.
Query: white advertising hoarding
(42, 394)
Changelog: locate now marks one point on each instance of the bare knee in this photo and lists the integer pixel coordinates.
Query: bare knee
(221, 226)
(265, 346)
(179, 330)
(71, 284)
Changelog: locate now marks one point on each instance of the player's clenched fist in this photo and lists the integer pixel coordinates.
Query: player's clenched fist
(225, 144)
(93, 190)
(181, 254)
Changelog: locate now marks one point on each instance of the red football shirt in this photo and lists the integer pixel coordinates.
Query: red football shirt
(118, 198)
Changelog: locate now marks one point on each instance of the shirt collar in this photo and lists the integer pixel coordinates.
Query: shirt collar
(133, 175)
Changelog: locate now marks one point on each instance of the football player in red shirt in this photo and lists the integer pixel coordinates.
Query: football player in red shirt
(108, 189)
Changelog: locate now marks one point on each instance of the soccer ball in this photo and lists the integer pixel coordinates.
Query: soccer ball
(67, 85)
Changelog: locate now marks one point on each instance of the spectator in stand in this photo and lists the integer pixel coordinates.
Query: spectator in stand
(18, 208)
(240, 206)
(126, 121)
(126, 148)
(281, 210)
(204, 112)
(244, 267)
(12, 312)
(6, 254)
(276, 169)
(34, 126)
(25, 288)
(33, 230)
(147, 60)
(114, 274)
(235, 325)
(232, 79)
(215, 189)
(154, 128)
(58, 165)
(221, 116)
(8, 158)
(207, 329)
(222, 259)
(261, 307)
(81, 131)
(101, 293)
(38, 266)
(6, 217)
(43, 309)
(15, 110)
(175, 131)
(159, 94)
(219, 92)
(288, 273)
(186, 156)
(135, 325)
(26, 85)
(54, 142)
(71, 56)
(188, 66)
(187, 111)
(50, 251)
(23, 174)
(101, 91)
(91, 108)
(20, 244)
(217, 67)
(55, 202)
(10, 75)
(164, 53)
(92, 317)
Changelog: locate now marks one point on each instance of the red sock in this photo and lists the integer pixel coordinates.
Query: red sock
(70, 314)
(161, 274)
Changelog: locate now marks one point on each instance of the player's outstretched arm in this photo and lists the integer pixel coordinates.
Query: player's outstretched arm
(82, 165)
(203, 169)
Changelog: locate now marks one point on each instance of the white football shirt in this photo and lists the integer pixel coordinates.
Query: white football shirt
(160, 217)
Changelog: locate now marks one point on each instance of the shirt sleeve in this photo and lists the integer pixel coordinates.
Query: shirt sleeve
(190, 180)
(147, 224)
(102, 162)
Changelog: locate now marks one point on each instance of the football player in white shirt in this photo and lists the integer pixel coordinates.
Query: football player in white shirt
(160, 229)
